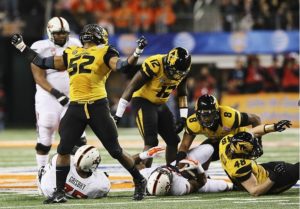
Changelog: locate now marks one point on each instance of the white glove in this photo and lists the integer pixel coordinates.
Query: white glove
(190, 165)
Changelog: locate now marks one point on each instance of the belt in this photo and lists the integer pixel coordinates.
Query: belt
(85, 103)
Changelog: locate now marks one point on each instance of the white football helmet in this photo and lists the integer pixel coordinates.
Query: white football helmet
(57, 24)
(160, 181)
(87, 158)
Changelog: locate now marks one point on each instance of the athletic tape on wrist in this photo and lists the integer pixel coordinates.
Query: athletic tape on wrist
(121, 107)
(183, 112)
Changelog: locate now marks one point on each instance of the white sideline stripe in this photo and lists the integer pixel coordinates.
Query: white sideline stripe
(173, 200)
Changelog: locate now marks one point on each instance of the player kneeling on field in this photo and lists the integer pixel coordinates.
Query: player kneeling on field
(83, 180)
(238, 153)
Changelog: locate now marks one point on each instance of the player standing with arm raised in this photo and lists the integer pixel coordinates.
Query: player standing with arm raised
(150, 89)
(52, 87)
(88, 67)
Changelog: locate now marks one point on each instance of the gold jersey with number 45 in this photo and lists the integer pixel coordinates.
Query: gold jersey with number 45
(230, 121)
(158, 89)
(88, 73)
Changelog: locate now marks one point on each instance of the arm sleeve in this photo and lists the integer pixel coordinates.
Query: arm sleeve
(111, 52)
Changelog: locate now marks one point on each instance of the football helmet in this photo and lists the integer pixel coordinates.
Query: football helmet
(207, 110)
(87, 158)
(159, 182)
(177, 63)
(93, 33)
(244, 145)
(58, 25)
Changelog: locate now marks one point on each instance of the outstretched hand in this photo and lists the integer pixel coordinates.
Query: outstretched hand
(142, 42)
(17, 41)
(282, 125)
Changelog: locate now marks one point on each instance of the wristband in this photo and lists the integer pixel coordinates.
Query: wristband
(183, 112)
(121, 107)
(55, 93)
(143, 155)
(268, 128)
(138, 52)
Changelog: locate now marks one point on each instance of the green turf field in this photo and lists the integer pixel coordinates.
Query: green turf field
(277, 146)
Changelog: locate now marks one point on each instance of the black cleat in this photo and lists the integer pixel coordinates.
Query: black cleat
(58, 197)
(140, 189)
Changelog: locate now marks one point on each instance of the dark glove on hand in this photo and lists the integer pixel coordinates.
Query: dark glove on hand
(277, 171)
(282, 125)
(180, 124)
(117, 119)
(142, 42)
(17, 41)
(61, 97)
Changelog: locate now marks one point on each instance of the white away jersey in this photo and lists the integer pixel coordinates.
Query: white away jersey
(58, 79)
(95, 186)
(179, 186)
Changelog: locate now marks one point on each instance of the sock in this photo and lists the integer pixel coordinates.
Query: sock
(41, 160)
(135, 173)
(214, 185)
(61, 176)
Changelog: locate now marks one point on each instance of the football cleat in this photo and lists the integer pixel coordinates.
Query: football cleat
(57, 197)
(140, 189)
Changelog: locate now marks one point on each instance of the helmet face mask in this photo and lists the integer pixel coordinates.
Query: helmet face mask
(58, 30)
(207, 110)
(160, 181)
(177, 63)
(93, 33)
(87, 158)
(244, 145)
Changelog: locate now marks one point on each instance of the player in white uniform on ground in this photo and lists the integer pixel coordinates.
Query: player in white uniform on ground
(84, 179)
(52, 87)
(168, 180)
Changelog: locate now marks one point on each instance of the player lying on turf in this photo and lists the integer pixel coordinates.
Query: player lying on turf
(169, 180)
(84, 179)
(238, 153)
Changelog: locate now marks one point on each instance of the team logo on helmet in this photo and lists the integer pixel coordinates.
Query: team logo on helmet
(244, 145)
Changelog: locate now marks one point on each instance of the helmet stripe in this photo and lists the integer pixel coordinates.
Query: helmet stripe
(155, 184)
(61, 23)
(81, 156)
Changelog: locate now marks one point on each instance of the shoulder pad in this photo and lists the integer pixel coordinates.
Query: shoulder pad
(153, 63)
(230, 117)
(113, 50)
(74, 42)
(38, 45)
(192, 125)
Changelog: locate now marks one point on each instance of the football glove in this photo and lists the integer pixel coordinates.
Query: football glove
(61, 97)
(190, 164)
(117, 119)
(17, 41)
(282, 125)
(152, 152)
(180, 124)
(142, 43)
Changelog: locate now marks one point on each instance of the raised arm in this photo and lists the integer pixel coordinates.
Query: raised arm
(268, 128)
(53, 62)
(117, 64)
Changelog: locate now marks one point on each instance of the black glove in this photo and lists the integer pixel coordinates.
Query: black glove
(282, 125)
(61, 97)
(117, 119)
(180, 156)
(17, 41)
(180, 124)
(142, 42)
(277, 171)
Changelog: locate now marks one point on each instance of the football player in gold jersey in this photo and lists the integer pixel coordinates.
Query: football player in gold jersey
(88, 68)
(150, 89)
(213, 121)
(238, 153)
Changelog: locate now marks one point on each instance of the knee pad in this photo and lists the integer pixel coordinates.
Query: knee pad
(43, 148)
(116, 154)
(82, 141)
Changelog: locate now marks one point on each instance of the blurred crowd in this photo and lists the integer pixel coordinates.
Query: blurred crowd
(153, 16)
